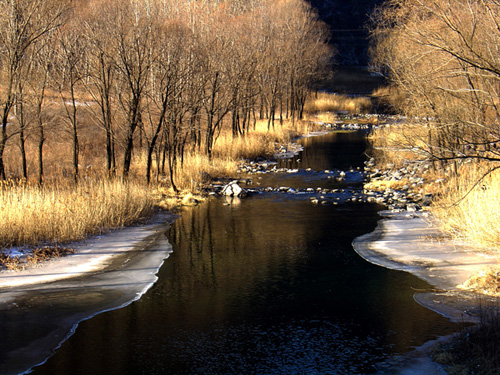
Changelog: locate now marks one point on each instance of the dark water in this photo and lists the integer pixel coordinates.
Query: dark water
(335, 150)
(266, 285)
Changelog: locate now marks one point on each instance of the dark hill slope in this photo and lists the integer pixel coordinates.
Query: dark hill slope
(348, 20)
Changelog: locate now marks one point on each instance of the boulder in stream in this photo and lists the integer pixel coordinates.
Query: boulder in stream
(232, 190)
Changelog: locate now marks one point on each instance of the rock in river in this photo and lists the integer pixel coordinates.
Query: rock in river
(232, 189)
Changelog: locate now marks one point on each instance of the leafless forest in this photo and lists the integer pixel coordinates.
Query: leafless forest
(114, 79)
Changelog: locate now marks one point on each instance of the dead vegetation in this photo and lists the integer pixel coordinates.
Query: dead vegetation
(34, 257)
(485, 282)
(475, 350)
(326, 102)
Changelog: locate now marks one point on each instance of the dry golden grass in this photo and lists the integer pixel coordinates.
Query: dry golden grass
(486, 282)
(198, 169)
(324, 117)
(167, 199)
(259, 141)
(468, 212)
(387, 98)
(58, 214)
(383, 185)
(326, 102)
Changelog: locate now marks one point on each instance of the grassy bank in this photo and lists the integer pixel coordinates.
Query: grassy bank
(59, 211)
(33, 214)
(466, 194)
(322, 103)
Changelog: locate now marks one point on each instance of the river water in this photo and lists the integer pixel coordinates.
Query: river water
(269, 284)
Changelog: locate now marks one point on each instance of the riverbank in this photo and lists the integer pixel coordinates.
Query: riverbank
(96, 254)
(411, 242)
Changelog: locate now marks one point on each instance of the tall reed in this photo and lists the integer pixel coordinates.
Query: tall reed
(260, 140)
(470, 210)
(61, 213)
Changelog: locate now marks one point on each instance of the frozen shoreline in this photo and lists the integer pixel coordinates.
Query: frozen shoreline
(410, 242)
(92, 255)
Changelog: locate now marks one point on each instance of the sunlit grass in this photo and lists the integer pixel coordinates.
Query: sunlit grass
(465, 211)
(399, 144)
(32, 214)
(259, 141)
(327, 102)
(383, 185)
(471, 212)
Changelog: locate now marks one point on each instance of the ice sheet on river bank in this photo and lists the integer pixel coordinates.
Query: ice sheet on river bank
(410, 242)
(49, 301)
(90, 256)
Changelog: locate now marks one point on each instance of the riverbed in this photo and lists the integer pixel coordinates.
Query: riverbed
(269, 284)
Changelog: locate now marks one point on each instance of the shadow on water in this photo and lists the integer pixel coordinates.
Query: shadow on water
(266, 285)
(336, 150)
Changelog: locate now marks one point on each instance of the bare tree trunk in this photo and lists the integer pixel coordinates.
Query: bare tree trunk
(3, 138)
(7, 106)
(134, 120)
(22, 126)
(40, 127)
(41, 141)
(156, 134)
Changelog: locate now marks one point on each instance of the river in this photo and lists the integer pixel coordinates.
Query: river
(268, 284)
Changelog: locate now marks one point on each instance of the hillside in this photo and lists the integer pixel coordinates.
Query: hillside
(348, 21)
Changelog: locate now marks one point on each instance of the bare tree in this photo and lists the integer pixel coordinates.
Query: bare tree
(100, 80)
(168, 106)
(31, 101)
(71, 72)
(133, 31)
(444, 56)
(22, 23)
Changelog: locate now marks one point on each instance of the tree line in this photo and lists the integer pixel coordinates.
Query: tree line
(444, 56)
(162, 74)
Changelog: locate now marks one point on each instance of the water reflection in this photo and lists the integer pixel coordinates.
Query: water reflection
(336, 150)
(333, 152)
(270, 286)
